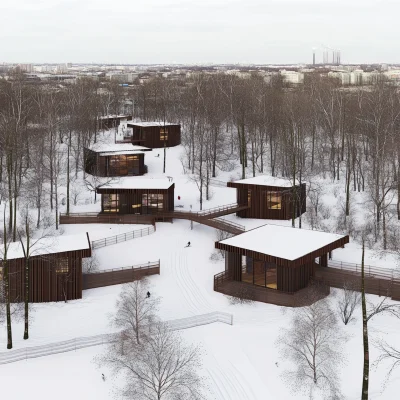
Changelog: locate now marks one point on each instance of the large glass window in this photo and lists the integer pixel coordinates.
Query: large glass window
(153, 201)
(274, 200)
(110, 202)
(259, 273)
(163, 133)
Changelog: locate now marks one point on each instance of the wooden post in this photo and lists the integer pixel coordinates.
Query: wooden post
(324, 260)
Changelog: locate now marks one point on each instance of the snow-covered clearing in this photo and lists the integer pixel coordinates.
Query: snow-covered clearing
(242, 362)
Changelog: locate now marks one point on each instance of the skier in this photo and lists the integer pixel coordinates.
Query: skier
(188, 244)
(103, 377)
(148, 294)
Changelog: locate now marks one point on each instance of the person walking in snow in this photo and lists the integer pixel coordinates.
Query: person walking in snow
(103, 377)
(148, 294)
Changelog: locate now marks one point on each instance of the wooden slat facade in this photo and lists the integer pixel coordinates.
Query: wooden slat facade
(291, 275)
(256, 197)
(48, 281)
(130, 200)
(100, 165)
(151, 136)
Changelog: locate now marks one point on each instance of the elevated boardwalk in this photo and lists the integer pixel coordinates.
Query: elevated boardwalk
(209, 217)
(378, 281)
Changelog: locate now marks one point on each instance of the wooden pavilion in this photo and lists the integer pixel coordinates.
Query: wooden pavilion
(137, 196)
(276, 258)
(269, 197)
(55, 268)
(155, 134)
(115, 160)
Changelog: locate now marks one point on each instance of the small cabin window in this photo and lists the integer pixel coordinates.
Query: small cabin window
(163, 134)
(248, 196)
(274, 200)
(62, 265)
(110, 202)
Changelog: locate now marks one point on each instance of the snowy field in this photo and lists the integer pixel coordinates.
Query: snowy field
(241, 362)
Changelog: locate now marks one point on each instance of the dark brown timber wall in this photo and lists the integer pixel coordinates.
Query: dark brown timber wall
(99, 165)
(50, 277)
(149, 136)
(133, 197)
(257, 201)
(289, 278)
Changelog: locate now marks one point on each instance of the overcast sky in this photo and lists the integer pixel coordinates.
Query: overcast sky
(197, 31)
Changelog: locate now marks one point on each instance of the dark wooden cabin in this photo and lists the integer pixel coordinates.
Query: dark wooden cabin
(55, 268)
(115, 160)
(278, 258)
(155, 134)
(137, 196)
(270, 197)
(113, 121)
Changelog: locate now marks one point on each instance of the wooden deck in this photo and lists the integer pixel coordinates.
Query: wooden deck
(378, 281)
(224, 284)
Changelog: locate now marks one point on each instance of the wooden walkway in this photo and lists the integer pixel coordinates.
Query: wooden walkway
(118, 276)
(378, 281)
(210, 217)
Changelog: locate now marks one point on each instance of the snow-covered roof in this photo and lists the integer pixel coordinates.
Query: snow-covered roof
(48, 245)
(153, 123)
(121, 148)
(115, 116)
(139, 183)
(282, 241)
(265, 180)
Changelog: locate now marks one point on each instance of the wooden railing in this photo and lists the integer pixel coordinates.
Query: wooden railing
(102, 218)
(220, 278)
(123, 237)
(369, 271)
(117, 276)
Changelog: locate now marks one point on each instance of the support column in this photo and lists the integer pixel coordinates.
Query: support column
(323, 260)
(234, 264)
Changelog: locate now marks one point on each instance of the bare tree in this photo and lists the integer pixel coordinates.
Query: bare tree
(90, 264)
(135, 309)
(312, 344)
(161, 367)
(390, 354)
(349, 299)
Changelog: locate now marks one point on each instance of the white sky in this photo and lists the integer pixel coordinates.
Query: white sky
(197, 31)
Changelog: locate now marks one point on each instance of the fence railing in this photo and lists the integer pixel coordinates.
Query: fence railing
(11, 356)
(118, 276)
(369, 271)
(103, 218)
(123, 237)
(231, 224)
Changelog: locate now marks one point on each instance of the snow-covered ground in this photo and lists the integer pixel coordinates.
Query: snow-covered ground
(242, 361)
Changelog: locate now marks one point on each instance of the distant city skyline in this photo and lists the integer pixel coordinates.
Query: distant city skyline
(197, 31)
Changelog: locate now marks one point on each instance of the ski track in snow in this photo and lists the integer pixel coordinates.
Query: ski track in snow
(230, 383)
(195, 299)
